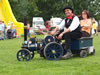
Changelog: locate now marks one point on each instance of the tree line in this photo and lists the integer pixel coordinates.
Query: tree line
(49, 8)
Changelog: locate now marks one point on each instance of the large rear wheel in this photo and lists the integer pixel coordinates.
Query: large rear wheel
(53, 51)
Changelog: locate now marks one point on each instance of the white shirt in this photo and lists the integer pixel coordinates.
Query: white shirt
(75, 23)
(8, 27)
(2, 27)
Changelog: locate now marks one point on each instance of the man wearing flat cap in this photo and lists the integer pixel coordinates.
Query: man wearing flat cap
(69, 29)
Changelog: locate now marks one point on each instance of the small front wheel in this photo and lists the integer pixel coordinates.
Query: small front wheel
(23, 55)
(53, 51)
(92, 53)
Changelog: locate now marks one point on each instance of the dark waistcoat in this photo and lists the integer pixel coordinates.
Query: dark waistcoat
(68, 23)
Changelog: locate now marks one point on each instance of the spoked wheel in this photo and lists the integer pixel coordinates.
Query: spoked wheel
(83, 53)
(64, 51)
(49, 39)
(23, 55)
(53, 51)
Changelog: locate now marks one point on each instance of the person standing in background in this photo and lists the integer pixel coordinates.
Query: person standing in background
(95, 27)
(4, 30)
(28, 28)
(1, 30)
(13, 30)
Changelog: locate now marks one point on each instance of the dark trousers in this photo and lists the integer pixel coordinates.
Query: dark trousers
(85, 34)
(95, 31)
(70, 36)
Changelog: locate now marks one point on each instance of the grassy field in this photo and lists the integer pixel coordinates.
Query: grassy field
(9, 65)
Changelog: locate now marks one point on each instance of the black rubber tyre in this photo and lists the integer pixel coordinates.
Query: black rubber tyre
(32, 54)
(53, 51)
(93, 53)
(23, 55)
(83, 53)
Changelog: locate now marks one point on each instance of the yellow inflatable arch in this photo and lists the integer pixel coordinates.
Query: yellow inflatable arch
(7, 16)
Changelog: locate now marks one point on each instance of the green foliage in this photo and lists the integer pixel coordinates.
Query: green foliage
(49, 8)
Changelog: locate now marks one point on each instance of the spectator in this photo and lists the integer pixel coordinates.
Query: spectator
(9, 31)
(13, 30)
(9, 26)
(86, 24)
(28, 28)
(1, 30)
(47, 25)
(95, 27)
(4, 30)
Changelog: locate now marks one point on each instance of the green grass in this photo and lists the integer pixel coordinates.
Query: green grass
(9, 65)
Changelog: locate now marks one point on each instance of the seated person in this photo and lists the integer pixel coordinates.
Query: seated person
(47, 25)
(85, 23)
(9, 31)
(69, 29)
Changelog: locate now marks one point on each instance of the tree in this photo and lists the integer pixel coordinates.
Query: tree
(23, 8)
(48, 8)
